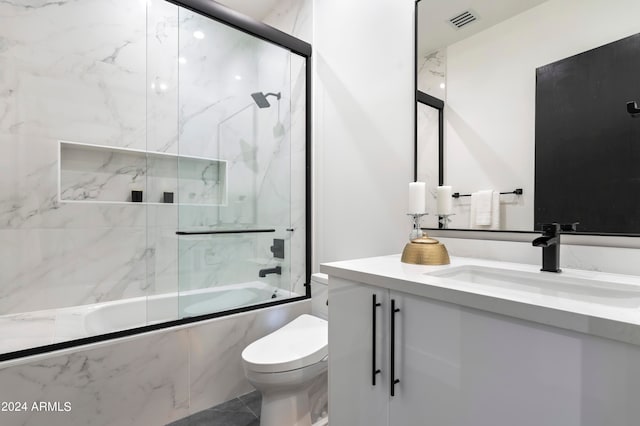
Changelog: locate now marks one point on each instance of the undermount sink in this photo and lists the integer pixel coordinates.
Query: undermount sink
(561, 285)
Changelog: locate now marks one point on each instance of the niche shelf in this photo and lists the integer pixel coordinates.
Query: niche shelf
(103, 174)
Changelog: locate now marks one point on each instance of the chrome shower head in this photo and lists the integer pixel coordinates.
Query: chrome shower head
(261, 99)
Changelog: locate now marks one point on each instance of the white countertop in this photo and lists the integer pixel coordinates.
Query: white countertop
(620, 323)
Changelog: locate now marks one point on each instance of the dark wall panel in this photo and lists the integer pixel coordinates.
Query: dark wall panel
(587, 161)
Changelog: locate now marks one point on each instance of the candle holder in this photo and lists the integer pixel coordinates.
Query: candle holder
(422, 250)
(444, 219)
(416, 232)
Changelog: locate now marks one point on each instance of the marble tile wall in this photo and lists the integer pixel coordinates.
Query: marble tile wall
(431, 79)
(81, 81)
(295, 17)
(427, 158)
(138, 381)
(432, 73)
(149, 379)
(133, 75)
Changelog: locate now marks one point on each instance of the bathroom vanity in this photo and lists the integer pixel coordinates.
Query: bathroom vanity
(481, 342)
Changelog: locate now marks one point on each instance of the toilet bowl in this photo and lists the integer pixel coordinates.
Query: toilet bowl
(282, 365)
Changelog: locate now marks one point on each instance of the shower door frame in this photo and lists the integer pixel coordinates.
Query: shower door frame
(248, 25)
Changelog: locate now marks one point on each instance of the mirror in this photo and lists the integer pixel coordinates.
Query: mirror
(481, 59)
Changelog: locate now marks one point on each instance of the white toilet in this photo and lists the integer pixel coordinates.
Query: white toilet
(282, 365)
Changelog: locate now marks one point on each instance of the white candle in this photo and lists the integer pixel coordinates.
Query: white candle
(417, 197)
(444, 200)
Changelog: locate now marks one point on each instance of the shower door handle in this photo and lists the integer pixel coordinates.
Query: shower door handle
(374, 371)
(394, 381)
(224, 231)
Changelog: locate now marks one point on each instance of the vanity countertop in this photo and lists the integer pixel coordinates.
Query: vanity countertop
(618, 321)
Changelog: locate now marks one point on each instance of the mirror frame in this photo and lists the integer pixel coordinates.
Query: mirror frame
(424, 98)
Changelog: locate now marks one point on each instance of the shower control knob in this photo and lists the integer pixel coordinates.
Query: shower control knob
(277, 248)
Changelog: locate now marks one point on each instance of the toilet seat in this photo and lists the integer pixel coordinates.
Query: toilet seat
(300, 343)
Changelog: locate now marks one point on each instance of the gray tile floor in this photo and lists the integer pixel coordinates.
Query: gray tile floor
(241, 411)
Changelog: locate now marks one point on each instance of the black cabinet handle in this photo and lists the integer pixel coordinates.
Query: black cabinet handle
(374, 370)
(394, 381)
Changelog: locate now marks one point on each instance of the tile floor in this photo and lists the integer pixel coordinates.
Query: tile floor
(241, 411)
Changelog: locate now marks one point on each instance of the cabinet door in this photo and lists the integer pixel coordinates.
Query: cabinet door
(463, 367)
(427, 363)
(354, 399)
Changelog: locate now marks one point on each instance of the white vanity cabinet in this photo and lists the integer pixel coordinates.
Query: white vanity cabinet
(459, 366)
(423, 361)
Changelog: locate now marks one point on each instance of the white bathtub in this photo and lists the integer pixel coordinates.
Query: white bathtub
(31, 329)
(139, 311)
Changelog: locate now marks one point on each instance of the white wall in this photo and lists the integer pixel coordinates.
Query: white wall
(363, 128)
(490, 113)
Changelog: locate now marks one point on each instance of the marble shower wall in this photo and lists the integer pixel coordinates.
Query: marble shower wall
(432, 73)
(295, 17)
(431, 80)
(132, 75)
(70, 70)
(427, 158)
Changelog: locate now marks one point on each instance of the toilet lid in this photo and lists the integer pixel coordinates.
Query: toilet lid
(300, 343)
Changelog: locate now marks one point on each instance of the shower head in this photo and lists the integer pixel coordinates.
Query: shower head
(261, 99)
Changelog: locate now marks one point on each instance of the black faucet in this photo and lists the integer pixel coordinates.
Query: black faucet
(264, 272)
(550, 243)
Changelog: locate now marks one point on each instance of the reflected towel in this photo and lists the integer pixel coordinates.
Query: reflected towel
(485, 210)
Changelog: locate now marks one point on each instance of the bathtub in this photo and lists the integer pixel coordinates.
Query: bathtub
(140, 311)
(146, 379)
(40, 328)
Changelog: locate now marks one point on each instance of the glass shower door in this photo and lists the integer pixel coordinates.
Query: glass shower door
(234, 168)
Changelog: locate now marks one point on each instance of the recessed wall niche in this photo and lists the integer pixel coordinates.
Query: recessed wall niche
(103, 174)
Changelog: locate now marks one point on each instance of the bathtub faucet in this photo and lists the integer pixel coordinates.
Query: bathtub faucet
(264, 272)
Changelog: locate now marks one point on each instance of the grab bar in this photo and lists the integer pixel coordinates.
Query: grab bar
(224, 231)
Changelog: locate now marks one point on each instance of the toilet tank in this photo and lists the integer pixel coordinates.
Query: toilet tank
(319, 295)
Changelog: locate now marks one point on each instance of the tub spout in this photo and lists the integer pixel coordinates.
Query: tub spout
(264, 272)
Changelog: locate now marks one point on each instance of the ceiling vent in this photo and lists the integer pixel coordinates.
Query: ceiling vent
(463, 19)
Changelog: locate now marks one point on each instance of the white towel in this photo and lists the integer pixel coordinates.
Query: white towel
(485, 210)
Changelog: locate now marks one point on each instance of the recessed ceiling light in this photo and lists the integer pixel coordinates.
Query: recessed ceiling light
(198, 34)
(182, 60)
(442, 85)
(238, 77)
(163, 87)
